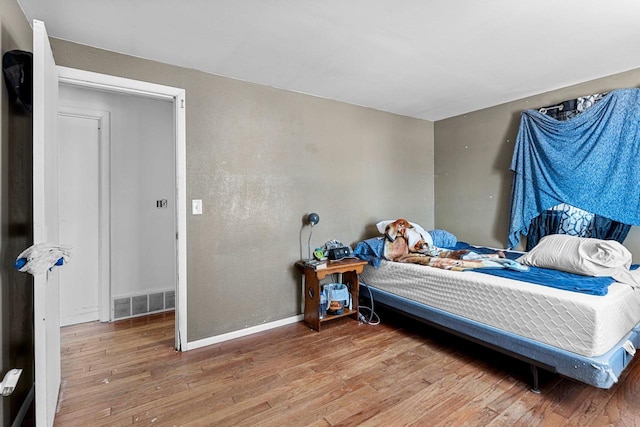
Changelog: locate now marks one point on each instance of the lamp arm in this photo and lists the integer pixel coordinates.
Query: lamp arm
(309, 244)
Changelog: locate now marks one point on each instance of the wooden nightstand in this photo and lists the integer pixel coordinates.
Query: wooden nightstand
(350, 268)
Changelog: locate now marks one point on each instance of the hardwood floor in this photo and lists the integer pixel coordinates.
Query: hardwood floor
(398, 373)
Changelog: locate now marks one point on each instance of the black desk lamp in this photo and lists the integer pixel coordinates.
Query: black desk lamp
(312, 219)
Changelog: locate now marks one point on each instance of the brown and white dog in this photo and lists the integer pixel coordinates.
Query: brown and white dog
(403, 238)
(405, 242)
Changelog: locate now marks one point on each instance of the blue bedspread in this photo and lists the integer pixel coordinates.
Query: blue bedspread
(371, 250)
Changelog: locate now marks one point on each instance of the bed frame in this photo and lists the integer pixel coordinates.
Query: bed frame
(601, 371)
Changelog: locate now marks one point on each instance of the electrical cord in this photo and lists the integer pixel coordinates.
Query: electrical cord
(372, 313)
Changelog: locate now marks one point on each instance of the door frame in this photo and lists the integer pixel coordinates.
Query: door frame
(103, 119)
(91, 80)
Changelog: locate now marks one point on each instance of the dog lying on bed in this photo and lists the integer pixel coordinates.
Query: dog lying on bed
(402, 239)
(411, 239)
(405, 243)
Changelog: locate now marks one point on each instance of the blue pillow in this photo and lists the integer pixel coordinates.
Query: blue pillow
(443, 239)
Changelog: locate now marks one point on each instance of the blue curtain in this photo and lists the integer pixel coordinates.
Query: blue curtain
(607, 229)
(589, 160)
(569, 220)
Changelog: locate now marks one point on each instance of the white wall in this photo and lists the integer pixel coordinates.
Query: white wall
(142, 158)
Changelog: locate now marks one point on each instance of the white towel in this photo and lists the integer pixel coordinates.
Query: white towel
(43, 256)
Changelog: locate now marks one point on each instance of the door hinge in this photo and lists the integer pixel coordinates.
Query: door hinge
(182, 103)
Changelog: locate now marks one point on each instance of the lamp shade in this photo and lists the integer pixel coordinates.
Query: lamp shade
(313, 219)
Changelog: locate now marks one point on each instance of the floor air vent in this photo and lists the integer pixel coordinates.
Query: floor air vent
(143, 304)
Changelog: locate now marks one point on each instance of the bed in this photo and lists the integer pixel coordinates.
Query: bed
(590, 338)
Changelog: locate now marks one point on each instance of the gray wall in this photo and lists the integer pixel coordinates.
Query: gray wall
(473, 152)
(16, 289)
(261, 159)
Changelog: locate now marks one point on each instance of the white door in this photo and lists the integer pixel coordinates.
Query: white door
(79, 210)
(45, 226)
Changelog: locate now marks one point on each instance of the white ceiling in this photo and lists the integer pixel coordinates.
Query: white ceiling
(430, 59)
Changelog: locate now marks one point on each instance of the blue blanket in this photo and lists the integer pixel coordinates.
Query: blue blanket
(589, 161)
(371, 250)
(546, 276)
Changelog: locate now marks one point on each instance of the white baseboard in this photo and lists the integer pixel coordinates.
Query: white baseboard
(243, 332)
(80, 317)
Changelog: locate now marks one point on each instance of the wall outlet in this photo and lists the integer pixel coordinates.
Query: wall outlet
(196, 207)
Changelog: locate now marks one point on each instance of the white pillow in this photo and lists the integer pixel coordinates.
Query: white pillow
(580, 255)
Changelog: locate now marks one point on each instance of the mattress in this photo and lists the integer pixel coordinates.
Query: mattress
(587, 325)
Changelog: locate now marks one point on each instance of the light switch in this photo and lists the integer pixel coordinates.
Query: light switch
(196, 207)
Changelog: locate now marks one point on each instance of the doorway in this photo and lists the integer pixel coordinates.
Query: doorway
(173, 204)
(139, 218)
(45, 190)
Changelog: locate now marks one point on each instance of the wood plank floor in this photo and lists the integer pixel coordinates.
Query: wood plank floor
(398, 373)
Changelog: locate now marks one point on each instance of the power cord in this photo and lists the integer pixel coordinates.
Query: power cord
(372, 314)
